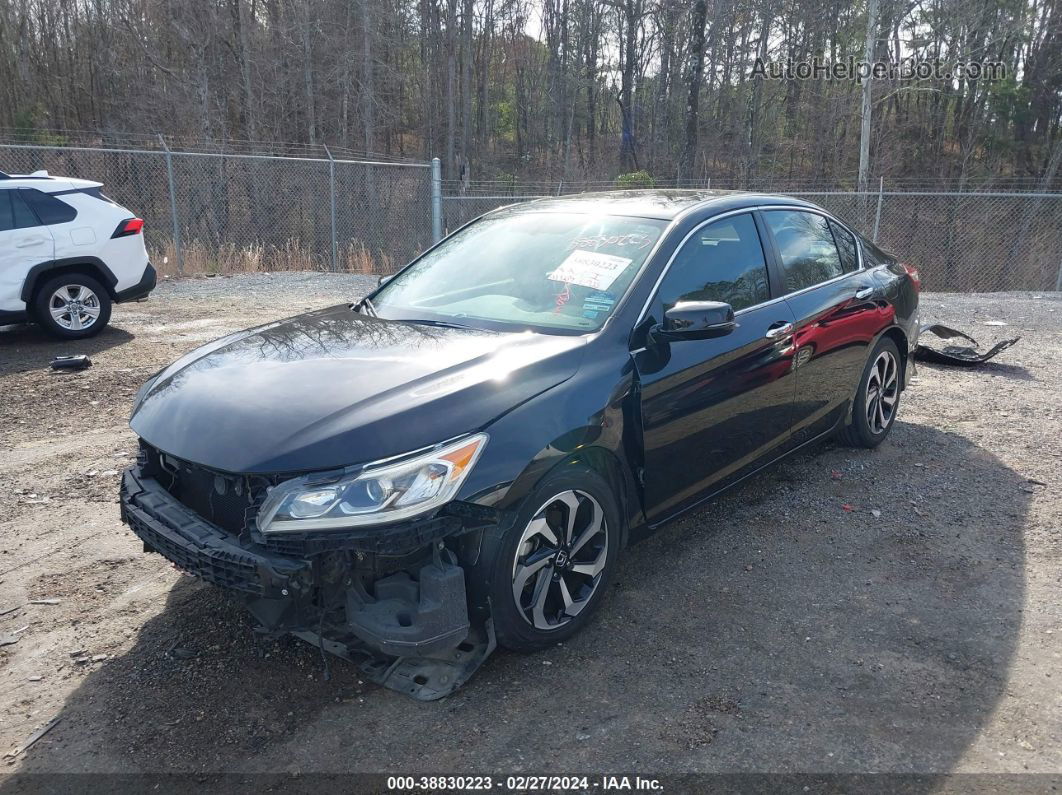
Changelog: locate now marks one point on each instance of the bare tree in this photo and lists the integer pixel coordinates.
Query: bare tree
(609, 86)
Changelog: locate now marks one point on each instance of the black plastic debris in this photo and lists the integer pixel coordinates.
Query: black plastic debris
(79, 362)
(962, 355)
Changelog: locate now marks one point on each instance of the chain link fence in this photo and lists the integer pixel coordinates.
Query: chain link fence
(960, 241)
(226, 212)
(223, 212)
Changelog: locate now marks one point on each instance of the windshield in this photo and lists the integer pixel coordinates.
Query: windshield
(529, 270)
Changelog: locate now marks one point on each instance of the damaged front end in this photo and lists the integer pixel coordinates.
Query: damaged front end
(391, 598)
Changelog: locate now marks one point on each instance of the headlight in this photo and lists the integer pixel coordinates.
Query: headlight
(373, 494)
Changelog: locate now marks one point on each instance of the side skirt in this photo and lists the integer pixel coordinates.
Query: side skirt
(713, 494)
(8, 318)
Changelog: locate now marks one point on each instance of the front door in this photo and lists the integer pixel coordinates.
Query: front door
(711, 409)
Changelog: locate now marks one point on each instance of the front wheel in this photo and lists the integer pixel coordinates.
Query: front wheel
(878, 398)
(549, 571)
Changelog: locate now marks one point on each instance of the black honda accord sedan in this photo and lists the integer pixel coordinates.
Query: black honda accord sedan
(459, 459)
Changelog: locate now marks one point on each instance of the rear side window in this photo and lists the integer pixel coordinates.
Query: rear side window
(722, 262)
(873, 256)
(846, 247)
(805, 244)
(14, 214)
(48, 208)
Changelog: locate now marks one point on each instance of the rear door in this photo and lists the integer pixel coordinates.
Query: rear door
(838, 311)
(24, 242)
(711, 409)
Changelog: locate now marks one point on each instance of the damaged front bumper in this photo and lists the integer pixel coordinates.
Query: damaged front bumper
(392, 598)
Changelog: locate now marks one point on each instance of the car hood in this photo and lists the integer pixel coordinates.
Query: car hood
(332, 388)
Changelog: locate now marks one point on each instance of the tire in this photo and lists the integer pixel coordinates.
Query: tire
(526, 553)
(72, 306)
(872, 415)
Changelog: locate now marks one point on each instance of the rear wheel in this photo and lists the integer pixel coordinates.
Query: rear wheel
(72, 306)
(548, 573)
(878, 398)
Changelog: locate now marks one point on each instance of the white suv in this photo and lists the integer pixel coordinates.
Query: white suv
(67, 252)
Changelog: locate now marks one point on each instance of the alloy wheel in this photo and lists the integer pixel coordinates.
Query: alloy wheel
(560, 559)
(74, 307)
(883, 389)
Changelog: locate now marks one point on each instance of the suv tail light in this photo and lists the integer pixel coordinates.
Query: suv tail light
(912, 271)
(130, 226)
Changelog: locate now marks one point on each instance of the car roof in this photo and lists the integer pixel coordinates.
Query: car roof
(664, 204)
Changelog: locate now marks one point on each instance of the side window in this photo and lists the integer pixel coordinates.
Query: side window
(872, 255)
(846, 247)
(48, 208)
(805, 244)
(722, 262)
(14, 214)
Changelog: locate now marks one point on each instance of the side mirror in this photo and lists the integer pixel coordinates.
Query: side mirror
(695, 320)
(384, 280)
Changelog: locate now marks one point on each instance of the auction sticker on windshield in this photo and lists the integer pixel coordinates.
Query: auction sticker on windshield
(589, 269)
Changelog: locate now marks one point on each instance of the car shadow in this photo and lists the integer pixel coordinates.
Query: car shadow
(849, 611)
(29, 347)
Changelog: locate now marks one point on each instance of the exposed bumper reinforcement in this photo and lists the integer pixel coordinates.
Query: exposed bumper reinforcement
(167, 527)
(409, 630)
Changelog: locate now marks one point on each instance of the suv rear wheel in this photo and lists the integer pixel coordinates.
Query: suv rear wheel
(72, 306)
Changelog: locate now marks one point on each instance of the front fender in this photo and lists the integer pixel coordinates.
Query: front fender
(582, 420)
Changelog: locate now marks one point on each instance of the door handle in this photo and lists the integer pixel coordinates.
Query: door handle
(866, 292)
(774, 332)
(29, 241)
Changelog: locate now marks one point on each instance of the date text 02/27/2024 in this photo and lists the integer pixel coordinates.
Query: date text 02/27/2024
(523, 783)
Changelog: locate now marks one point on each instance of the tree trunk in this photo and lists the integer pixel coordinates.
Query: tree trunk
(864, 124)
(368, 77)
(305, 24)
(696, 72)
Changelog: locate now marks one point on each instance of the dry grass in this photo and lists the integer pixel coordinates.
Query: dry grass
(356, 258)
(292, 255)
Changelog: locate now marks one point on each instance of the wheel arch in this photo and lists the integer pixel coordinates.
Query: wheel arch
(608, 466)
(897, 335)
(87, 266)
(601, 460)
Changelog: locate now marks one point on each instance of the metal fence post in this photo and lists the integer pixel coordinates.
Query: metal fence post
(173, 208)
(436, 200)
(877, 215)
(332, 198)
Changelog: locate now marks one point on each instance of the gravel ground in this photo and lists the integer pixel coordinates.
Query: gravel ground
(850, 611)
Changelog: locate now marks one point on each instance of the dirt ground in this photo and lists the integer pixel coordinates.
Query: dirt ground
(850, 611)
